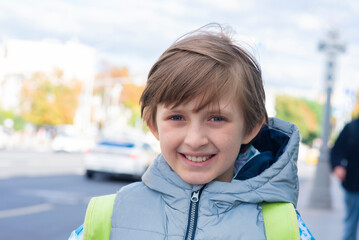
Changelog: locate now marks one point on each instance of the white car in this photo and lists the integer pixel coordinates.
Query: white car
(69, 139)
(71, 144)
(123, 158)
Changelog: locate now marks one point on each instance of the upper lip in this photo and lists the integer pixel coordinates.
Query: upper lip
(198, 154)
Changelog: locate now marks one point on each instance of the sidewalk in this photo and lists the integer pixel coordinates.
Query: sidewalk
(323, 224)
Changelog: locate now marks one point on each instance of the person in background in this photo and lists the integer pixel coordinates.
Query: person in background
(344, 159)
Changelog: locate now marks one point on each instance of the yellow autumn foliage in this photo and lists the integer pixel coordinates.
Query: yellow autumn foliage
(48, 100)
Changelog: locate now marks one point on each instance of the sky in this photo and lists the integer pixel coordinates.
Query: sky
(282, 35)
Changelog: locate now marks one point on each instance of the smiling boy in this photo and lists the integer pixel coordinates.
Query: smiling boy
(201, 146)
(221, 157)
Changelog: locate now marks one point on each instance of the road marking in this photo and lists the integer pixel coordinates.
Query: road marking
(55, 196)
(5, 164)
(26, 210)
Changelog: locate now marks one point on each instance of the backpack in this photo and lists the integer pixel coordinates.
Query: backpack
(280, 219)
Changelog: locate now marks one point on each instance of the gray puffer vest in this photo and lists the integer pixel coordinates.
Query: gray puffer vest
(160, 206)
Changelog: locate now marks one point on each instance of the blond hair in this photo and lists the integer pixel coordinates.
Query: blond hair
(208, 65)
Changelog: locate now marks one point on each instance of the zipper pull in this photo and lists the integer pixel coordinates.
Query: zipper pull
(195, 196)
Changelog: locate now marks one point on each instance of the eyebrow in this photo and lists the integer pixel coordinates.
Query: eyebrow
(221, 112)
(211, 109)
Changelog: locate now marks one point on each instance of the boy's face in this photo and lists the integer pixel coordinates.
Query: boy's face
(201, 146)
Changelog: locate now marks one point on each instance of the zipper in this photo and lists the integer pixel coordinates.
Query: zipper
(193, 215)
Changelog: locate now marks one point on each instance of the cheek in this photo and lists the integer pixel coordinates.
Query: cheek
(229, 138)
(169, 135)
(164, 131)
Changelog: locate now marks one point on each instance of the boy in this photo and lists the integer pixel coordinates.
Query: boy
(221, 157)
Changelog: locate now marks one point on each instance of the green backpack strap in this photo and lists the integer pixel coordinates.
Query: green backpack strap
(97, 224)
(280, 221)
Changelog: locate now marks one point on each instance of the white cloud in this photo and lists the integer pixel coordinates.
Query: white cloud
(50, 16)
(229, 5)
(308, 22)
(283, 37)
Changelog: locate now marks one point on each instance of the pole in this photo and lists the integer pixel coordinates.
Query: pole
(320, 195)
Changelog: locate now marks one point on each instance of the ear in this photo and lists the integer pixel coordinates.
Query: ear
(249, 137)
(153, 130)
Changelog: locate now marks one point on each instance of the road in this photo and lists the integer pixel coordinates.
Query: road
(44, 195)
(27, 163)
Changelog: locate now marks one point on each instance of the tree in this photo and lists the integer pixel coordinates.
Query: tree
(130, 93)
(19, 122)
(355, 113)
(49, 99)
(304, 113)
(130, 97)
(113, 72)
(108, 72)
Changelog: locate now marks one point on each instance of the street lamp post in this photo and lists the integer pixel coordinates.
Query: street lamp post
(320, 194)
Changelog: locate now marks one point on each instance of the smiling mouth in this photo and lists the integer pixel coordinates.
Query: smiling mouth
(198, 158)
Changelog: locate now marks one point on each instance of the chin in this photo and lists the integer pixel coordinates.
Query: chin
(196, 181)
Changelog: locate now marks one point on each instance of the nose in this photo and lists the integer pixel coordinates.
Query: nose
(196, 136)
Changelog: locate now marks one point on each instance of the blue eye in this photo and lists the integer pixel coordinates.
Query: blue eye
(176, 118)
(217, 119)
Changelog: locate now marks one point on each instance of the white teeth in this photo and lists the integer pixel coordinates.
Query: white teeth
(197, 159)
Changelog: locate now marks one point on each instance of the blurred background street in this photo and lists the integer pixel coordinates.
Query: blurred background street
(323, 223)
(45, 196)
